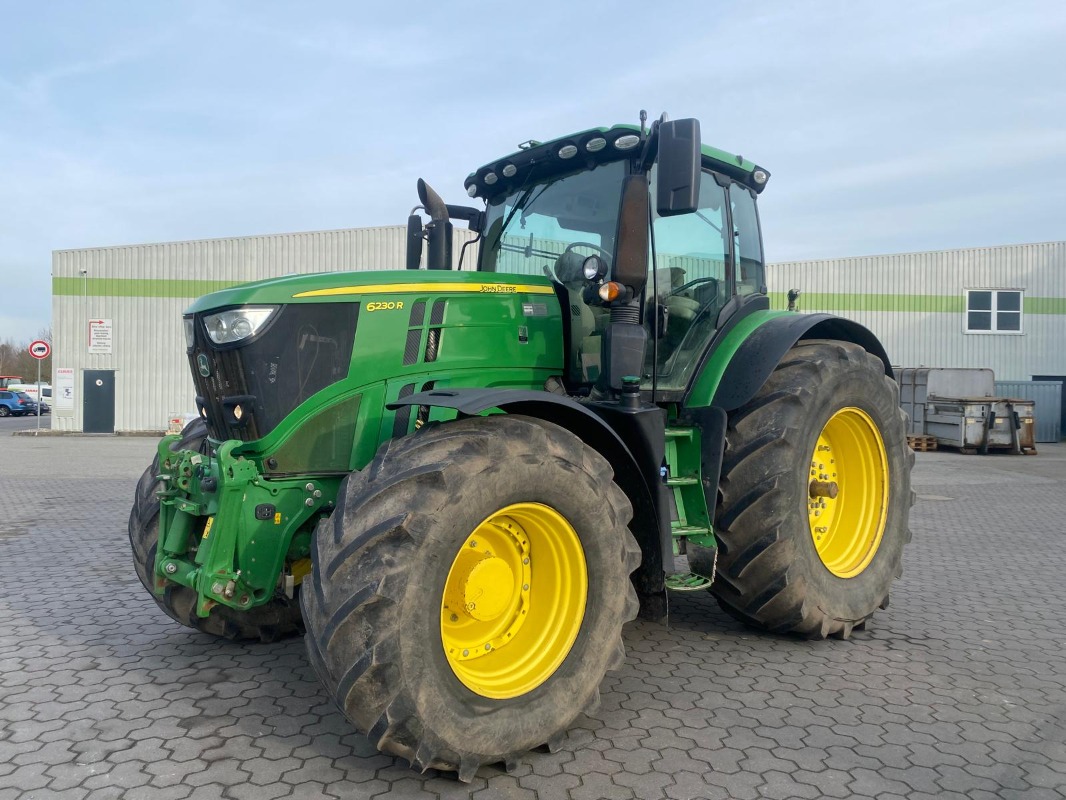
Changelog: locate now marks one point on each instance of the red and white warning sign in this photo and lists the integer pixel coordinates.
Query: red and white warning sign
(40, 349)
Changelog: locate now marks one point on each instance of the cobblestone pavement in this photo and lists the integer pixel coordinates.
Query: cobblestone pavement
(958, 690)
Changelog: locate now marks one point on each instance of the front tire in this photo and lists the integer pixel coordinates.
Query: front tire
(276, 619)
(815, 495)
(417, 609)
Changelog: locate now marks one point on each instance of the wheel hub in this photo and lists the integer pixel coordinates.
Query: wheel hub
(488, 589)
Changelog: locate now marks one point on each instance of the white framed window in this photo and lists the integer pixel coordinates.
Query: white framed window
(994, 311)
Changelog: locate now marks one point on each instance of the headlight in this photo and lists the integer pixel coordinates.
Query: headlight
(593, 268)
(230, 326)
(190, 335)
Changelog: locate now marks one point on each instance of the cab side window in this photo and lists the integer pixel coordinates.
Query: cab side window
(750, 269)
(689, 284)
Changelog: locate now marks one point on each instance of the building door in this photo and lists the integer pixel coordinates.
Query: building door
(98, 403)
(1062, 407)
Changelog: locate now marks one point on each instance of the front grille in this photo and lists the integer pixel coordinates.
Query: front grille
(303, 349)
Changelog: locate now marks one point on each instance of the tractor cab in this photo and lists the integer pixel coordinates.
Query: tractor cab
(633, 228)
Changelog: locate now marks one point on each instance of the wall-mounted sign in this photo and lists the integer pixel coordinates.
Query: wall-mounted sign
(63, 393)
(100, 336)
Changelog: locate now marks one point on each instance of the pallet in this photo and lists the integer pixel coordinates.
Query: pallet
(921, 443)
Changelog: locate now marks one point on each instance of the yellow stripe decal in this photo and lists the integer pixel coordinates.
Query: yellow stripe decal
(436, 288)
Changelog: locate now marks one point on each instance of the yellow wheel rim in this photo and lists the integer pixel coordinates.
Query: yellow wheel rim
(514, 600)
(847, 492)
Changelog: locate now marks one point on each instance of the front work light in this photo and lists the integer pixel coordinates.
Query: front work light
(190, 334)
(227, 327)
(593, 268)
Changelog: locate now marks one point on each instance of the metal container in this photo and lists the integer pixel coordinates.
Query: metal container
(981, 423)
(917, 384)
(961, 408)
(1047, 395)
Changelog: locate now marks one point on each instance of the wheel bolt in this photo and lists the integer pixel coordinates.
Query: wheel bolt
(466, 652)
(473, 544)
(454, 617)
(488, 646)
(525, 560)
(525, 587)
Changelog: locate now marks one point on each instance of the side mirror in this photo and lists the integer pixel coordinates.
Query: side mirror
(414, 241)
(679, 170)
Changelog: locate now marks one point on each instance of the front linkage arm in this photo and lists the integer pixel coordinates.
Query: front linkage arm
(226, 531)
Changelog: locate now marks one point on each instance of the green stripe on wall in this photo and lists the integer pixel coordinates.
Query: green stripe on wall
(136, 287)
(1045, 305)
(934, 303)
(820, 301)
(833, 301)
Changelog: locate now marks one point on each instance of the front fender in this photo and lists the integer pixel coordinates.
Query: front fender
(637, 476)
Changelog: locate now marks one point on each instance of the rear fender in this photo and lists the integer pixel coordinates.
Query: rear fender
(734, 374)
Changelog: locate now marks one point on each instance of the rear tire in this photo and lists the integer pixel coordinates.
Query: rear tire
(772, 573)
(274, 620)
(377, 607)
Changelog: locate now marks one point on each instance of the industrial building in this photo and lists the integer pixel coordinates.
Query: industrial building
(119, 349)
(1002, 308)
(119, 361)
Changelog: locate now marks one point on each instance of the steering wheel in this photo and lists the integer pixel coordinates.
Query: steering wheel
(690, 284)
(596, 247)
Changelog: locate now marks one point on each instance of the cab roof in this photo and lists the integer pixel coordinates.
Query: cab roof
(534, 160)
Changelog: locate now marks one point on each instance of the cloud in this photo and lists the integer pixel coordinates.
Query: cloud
(887, 128)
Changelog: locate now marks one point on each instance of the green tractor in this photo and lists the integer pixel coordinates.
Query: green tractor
(462, 482)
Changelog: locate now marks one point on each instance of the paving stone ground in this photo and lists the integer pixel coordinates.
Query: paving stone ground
(958, 690)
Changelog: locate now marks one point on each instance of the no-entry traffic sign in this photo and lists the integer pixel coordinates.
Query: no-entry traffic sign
(40, 349)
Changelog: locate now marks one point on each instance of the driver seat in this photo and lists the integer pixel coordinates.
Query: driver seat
(587, 324)
(681, 308)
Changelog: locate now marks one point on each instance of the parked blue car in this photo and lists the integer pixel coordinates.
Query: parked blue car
(17, 404)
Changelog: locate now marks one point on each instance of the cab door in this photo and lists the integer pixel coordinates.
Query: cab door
(702, 260)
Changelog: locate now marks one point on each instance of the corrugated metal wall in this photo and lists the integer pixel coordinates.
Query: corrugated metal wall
(916, 303)
(143, 290)
(1048, 398)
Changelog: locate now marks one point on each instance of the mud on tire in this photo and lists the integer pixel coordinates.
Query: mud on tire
(380, 563)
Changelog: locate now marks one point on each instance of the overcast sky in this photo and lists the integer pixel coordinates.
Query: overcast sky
(887, 127)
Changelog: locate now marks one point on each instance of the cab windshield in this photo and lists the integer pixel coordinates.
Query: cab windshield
(530, 230)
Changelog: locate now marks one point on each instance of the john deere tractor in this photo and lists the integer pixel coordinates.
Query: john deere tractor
(463, 480)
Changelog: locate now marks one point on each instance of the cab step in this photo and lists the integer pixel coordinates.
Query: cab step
(689, 530)
(682, 481)
(680, 433)
(687, 582)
